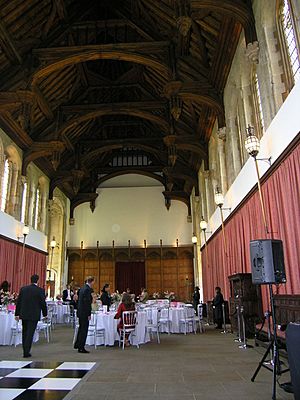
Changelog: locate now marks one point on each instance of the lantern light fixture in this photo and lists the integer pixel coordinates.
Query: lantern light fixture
(219, 198)
(203, 224)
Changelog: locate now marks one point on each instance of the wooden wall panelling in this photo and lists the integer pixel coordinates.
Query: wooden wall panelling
(166, 268)
(75, 270)
(170, 272)
(107, 270)
(185, 278)
(153, 281)
(91, 268)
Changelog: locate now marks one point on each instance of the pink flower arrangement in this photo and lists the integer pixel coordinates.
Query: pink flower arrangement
(169, 295)
(8, 298)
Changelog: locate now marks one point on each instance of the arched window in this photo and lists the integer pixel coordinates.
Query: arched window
(24, 202)
(37, 208)
(259, 114)
(289, 43)
(5, 184)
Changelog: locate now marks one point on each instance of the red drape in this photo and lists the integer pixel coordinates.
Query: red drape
(10, 265)
(130, 275)
(282, 199)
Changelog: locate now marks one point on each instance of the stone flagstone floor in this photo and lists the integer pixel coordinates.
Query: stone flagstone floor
(204, 366)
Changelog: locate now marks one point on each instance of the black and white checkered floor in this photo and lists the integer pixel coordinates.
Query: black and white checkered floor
(40, 380)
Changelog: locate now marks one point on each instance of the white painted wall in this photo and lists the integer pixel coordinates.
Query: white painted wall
(130, 213)
(281, 132)
(12, 229)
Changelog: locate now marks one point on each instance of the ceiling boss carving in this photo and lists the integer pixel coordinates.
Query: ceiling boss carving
(86, 83)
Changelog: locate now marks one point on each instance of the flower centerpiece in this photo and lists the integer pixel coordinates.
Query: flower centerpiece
(7, 298)
(156, 295)
(116, 297)
(169, 295)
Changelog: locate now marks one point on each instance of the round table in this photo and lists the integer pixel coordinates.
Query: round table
(7, 321)
(109, 323)
(175, 315)
(62, 311)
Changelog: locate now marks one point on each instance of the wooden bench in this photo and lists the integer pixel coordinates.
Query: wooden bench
(287, 309)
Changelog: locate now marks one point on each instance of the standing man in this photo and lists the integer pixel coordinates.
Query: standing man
(31, 302)
(217, 306)
(84, 309)
(196, 298)
(68, 294)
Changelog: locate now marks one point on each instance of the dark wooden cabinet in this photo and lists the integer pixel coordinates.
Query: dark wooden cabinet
(244, 293)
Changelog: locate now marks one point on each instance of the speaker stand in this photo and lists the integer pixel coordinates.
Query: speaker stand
(275, 367)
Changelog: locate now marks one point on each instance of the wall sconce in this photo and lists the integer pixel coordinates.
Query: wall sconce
(25, 232)
(219, 200)
(194, 239)
(53, 244)
(203, 227)
(252, 146)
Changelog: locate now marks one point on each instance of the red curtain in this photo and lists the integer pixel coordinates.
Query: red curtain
(282, 200)
(10, 265)
(130, 275)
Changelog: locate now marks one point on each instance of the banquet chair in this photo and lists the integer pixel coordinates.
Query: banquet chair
(165, 319)
(45, 326)
(76, 326)
(72, 315)
(50, 316)
(67, 314)
(199, 318)
(188, 319)
(129, 320)
(54, 314)
(92, 327)
(15, 330)
(99, 332)
(153, 326)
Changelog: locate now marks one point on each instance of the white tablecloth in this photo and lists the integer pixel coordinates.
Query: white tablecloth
(109, 323)
(61, 310)
(175, 315)
(7, 321)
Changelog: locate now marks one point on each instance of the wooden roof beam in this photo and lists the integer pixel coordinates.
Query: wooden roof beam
(43, 103)
(140, 53)
(138, 105)
(239, 10)
(8, 45)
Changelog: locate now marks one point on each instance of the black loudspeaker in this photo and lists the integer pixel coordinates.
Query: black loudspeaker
(293, 348)
(267, 262)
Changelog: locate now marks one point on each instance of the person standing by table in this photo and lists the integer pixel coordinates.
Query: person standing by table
(196, 298)
(68, 294)
(217, 306)
(105, 296)
(31, 302)
(84, 310)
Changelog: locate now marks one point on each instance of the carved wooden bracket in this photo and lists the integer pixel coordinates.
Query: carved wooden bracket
(198, 92)
(77, 177)
(180, 196)
(43, 149)
(81, 198)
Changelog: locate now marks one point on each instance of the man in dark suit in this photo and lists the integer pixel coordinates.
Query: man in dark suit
(31, 302)
(84, 309)
(217, 306)
(68, 294)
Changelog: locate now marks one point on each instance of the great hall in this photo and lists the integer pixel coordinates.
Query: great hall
(149, 199)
